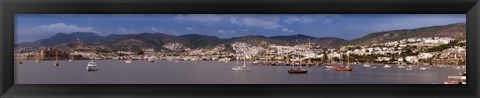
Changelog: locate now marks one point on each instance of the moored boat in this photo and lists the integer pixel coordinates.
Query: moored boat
(342, 68)
(387, 66)
(92, 66)
(297, 71)
(423, 68)
(366, 65)
(242, 68)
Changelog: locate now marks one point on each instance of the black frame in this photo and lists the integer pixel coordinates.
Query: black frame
(11, 7)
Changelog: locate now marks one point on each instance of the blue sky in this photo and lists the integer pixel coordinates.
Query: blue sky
(31, 27)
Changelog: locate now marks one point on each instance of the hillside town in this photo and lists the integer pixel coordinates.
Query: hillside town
(442, 51)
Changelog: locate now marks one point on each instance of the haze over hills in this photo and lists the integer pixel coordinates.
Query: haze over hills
(158, 41)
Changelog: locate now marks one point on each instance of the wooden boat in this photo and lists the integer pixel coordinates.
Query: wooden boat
(343, 68)
(297, 71)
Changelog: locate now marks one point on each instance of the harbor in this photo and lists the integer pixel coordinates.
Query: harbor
(217, 72)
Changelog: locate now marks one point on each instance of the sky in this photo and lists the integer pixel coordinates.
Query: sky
(32, 27)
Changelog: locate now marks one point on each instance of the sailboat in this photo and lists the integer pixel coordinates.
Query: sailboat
(71, 58)
(56, 58)
(400, 66)
(92, 66)
(151, 59)
(242, 68)
(37, 58)
(298, 70)
(129, 60)
(330, 66)
(347, 68)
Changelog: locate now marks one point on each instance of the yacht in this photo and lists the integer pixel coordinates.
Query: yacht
(92, 66)
(423, 68)
(366, 65)
(387, 66)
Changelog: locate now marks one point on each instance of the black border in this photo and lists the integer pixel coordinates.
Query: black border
(11, 7)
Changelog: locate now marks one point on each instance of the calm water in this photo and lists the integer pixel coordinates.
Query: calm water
(213, 72)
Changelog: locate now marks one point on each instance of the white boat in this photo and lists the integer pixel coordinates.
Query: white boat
(366, 65)
(423, 68)
(401, 66)
(458, 67)
(241, 68)
(92, 66)
(409, 68)
(129, 61)
(373, 67)
(71, 59)
(387, 66)
(151, 59)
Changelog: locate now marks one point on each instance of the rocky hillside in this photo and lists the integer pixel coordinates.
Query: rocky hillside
(164, 42)
(456, 31)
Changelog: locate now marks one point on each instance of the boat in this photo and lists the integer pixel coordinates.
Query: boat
(458, 67)
(37, 59)
(345, 68)
(373, 67)
(151, 59)
(242, 68)
(56, 59)
(409, 68)
(330, 66)
(401, 66)
(71, 58)
(366, 65)
(92, 66)
(298, 70)
(387, 66)
(129, 61)
(342, 68)
(423, 68)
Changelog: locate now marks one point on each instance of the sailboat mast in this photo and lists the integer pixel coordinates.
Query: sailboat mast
(244, 60)
(348, 59)
(56, 55)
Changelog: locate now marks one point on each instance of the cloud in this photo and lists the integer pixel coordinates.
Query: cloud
(256, 22)
(63, 28)
(46, 31)
(125, 31)
(298, 19)
(155, 29)
(287, 30)
(203, 18)
(245, 30)
(226, 31)
(161, 30)
(189, 28)
(327, 21)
